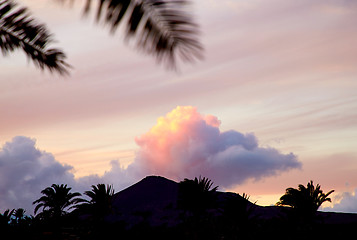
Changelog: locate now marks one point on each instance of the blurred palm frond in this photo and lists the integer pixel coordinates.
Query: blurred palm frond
(18, 30)
(163, 28)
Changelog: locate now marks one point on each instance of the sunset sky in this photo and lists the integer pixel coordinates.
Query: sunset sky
(277, 86)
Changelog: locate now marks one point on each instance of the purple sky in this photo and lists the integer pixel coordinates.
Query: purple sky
(283, 70)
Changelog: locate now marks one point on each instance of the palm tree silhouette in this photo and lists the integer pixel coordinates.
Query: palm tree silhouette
(21, 222)
(305, 200)
(196, 195)
(162, 28)
(19, 215)
(6, 217)
(56, 201)
(237, 209)
(100, 201)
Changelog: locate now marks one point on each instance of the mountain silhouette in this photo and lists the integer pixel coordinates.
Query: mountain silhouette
(150, 192)
(153, 199)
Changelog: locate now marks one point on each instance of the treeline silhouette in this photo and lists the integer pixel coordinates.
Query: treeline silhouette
(204, 213)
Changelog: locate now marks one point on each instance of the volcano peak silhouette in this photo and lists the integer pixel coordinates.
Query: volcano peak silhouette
(153, 199)
(150, 192)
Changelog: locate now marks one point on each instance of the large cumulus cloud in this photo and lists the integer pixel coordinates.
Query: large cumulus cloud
(186, 143)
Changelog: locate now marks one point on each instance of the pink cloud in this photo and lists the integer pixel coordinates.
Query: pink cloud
(186, 143)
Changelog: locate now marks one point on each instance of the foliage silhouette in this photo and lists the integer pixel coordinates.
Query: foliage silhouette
(56, 201)
(20, 219)
(196, 195)
(100, 203)
(19, 214)
(237, 209)
(305, 200)
(18, 30)
(5, 218)
(237, 216)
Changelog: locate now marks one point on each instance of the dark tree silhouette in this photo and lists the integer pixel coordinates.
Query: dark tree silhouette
(238, 209)
(21, 222)
(19, 215)
(238, 216)
(18, 30)
(196, 195)
(100, 201)
(56, 201)
(305, 200)
(6, 217)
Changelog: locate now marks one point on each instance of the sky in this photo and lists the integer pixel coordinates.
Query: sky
(272, 105)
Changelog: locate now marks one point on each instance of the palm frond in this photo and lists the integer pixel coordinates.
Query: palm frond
(18, 30)
(205, 184)
(57, 199)
(308, 198)
(38, 206)
(163, 28)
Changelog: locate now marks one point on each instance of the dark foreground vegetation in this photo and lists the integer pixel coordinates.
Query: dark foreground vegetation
(158, 208)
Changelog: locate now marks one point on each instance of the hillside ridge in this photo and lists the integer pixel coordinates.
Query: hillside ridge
(154, 200)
